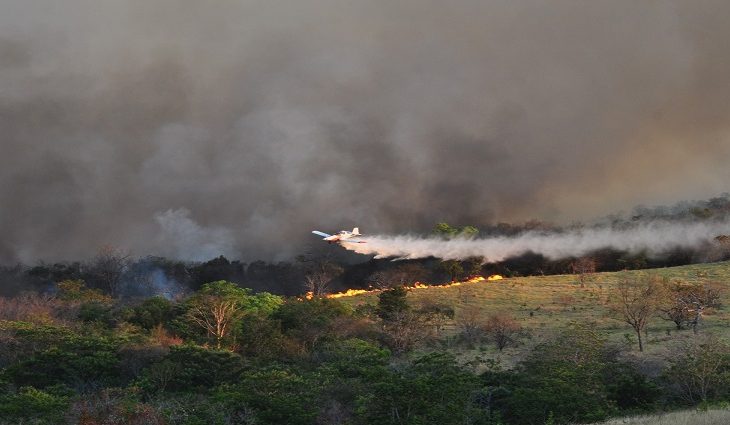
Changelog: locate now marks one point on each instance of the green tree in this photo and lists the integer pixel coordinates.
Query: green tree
(76, 290)
(469, 232)
(152, 312)
(392, 303)
(309, 321)
(445, 230)
(448, 231)
(453, 269)
(218, 307)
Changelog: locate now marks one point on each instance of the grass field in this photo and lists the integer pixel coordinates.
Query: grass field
(544, 304)
(687, 417)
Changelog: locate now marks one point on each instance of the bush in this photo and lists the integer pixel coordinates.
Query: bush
(96, 312)
(152, 312)
(192, 368)
(276, 395)
(433, 389)
(563, 378)
(81, 363)
(31, 404)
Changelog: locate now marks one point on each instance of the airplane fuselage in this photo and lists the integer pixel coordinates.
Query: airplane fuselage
(341, 236)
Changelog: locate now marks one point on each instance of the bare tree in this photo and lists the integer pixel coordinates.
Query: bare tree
(502, 329)
(698, 298)
(636, 301)
(435, 313)
(584, 267)
(470, 321)
(380, 280)
(319, 274)
(108, 268)
(405, 329)
(403, 275)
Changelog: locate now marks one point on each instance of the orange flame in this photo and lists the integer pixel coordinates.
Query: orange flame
(417, 285)
(348, 293)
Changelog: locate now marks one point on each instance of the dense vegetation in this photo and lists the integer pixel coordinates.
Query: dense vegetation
(227, 355)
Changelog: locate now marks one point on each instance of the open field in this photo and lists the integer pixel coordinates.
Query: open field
(687, 417)
(544, 304)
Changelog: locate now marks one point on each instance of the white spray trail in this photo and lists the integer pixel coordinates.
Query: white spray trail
(654, 238)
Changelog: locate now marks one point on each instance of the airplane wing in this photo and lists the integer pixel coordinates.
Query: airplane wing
(351, 241)
(323, 234)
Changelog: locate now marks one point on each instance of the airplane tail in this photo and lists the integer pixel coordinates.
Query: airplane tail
(356, 231)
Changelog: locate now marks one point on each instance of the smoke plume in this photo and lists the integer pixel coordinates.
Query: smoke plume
(654, 239)
(262, 120)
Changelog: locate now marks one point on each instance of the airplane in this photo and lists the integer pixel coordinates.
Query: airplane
(343, 236)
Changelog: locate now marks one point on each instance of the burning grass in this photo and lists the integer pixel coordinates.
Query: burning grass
(417, 285)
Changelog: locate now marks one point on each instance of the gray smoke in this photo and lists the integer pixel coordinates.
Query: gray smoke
(182, 128)
(653, 238)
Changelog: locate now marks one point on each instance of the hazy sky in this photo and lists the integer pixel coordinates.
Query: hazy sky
(189, 128)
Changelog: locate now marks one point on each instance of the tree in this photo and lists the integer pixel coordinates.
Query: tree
(700, 369)
(308, 321)
(470, 321)
(218, 306)
(435, 313)
(502, 329)
(189, 367)
(565, 376)
(584, 267)
(636, 301)
(433, 389)
(29, 405)
(674, 308)
(319, 274)
(686, 302)
(452, 268)
(445, 230)
(473, 266)
(698, 298)
(153, 312)
(108, 267)
(402, 326)
(76, 290)
(392, 303)
(402, 275)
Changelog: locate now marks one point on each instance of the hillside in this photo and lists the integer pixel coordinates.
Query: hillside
(545, 304)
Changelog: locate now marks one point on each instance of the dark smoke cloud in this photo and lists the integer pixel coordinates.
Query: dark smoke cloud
(184, 127)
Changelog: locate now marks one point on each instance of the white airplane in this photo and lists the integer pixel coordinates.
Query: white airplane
(343, 236)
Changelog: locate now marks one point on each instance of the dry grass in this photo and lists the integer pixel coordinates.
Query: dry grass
(687, 417)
